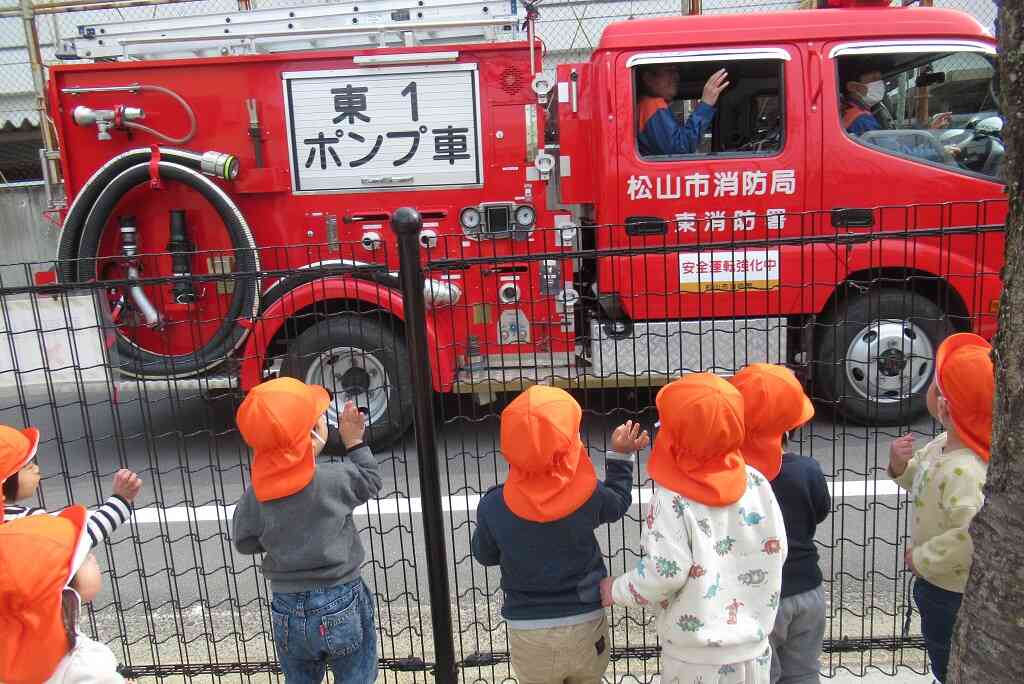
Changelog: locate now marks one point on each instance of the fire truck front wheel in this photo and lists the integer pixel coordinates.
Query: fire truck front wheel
(876, 355)
(357, 358)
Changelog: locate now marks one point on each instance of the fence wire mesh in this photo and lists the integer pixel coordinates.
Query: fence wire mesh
(179, 603)
(570, 29)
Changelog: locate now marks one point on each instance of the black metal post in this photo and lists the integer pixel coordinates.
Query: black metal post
(407, 225)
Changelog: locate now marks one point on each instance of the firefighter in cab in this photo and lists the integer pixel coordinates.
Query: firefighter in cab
(660, 133)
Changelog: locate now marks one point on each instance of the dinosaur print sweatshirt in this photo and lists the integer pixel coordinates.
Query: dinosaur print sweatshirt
(711, 574)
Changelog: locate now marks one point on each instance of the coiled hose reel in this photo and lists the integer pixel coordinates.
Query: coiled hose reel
(90, 214)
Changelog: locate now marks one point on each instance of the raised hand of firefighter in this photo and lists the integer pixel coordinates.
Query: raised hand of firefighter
(940, 120)
(628, 438)
(606, 592)
(718, 82)
(351, 425)
(127, 484)
(900, 452)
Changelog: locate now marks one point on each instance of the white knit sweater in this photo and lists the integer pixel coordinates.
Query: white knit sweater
(90, 662)
(711, 574)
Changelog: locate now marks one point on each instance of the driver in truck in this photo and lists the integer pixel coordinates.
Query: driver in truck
(659, 131)
(864, 89)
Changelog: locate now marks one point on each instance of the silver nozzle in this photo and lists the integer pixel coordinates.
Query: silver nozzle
(220, 165)
(428, 239)
(132, 113)
(439, 293)
(87, 116)
(372, 241)
(104, 119)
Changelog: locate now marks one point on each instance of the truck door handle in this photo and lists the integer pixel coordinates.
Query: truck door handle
(645, 225)
(853, 218)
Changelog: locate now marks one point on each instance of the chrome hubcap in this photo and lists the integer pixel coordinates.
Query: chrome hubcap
(352, 374)
(890, 361)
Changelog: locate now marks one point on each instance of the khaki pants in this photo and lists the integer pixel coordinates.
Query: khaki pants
(577, 654)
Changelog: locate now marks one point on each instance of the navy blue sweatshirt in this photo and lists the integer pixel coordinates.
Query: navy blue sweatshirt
(552, 570)
(802, 493)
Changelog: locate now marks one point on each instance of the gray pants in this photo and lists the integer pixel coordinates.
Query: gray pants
(796, 638)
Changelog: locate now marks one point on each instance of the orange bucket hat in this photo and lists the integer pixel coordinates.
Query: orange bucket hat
(550, 473)
(773, 404)
(275, 420)
(697, 450)
(39, 556)
(966, 378)
(17, 449)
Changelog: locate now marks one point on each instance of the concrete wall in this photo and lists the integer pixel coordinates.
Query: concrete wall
(51, 341)
(28, 242)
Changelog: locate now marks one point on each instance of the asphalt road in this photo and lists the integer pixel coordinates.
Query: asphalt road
(176, 592)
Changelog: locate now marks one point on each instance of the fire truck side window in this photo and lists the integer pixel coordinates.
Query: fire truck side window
(748, 120)
(940, 108)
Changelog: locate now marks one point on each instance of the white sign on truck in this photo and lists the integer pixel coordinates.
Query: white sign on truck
(373, 129)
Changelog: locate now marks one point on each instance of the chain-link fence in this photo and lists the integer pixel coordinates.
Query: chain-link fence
(569, 28)
(181, 604)
(21, 135)
(19, 113)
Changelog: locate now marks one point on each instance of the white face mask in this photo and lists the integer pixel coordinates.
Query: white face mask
(875, 93)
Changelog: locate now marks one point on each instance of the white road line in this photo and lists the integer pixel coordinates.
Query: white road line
(462, 503)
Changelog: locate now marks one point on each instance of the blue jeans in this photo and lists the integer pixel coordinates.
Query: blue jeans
(326, 627)
(938, 609)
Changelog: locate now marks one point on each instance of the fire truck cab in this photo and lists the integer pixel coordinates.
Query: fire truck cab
(308, 128)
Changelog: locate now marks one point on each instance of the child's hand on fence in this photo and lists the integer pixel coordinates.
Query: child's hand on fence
(908, 559)
(900, 452)
(352, 425)
(127, 485)
(606, 592)
(628, 438)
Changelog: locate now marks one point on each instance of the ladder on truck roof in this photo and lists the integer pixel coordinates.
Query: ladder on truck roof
(351, 24)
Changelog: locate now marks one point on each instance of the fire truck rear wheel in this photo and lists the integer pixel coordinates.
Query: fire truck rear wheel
(357, 358)
(876, 356)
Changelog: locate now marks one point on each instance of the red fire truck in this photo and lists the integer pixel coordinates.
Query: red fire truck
(263, 144)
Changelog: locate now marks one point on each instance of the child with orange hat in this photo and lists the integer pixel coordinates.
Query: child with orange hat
(539, 527)
(946, 479)
(48, 571)
(299, 515)
(19, 480)
(713, 541)
(775, 405)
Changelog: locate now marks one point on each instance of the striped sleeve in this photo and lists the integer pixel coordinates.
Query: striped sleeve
(15, 512)
(106, 518)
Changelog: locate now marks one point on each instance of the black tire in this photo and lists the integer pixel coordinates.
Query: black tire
(367, 347)
(891, 387)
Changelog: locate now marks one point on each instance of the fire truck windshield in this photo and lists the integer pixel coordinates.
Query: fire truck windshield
(936, 107)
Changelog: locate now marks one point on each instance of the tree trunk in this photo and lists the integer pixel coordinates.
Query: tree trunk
(988, 643)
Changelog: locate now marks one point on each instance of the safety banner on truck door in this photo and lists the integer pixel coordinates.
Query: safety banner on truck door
(741, 270)
(375, 129)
